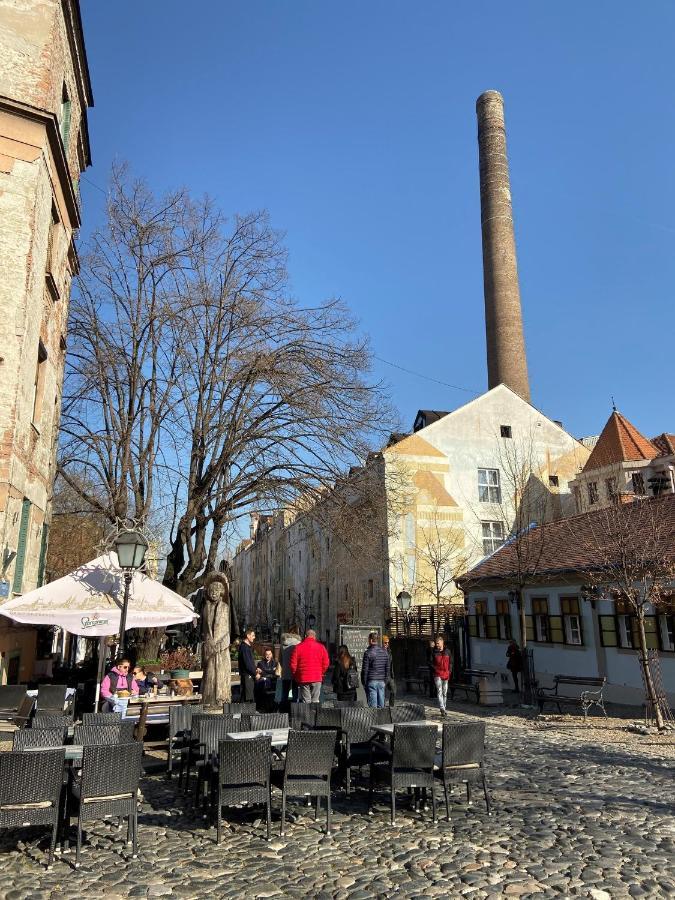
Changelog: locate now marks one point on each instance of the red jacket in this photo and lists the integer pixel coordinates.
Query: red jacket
(440, 663)
(309, 661)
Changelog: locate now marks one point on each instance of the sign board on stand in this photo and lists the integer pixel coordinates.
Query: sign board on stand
(356, 638)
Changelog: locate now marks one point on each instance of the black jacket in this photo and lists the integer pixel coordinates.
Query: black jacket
(376, 665)
(246, 660)
(340, 676)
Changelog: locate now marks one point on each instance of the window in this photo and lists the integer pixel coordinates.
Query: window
(569, 607)
(667, 629)
(624, 629)
(553, 481)
(493, 536)
(21, 547)
(52, 240)
(39, 384)
(610, 487)
(488, 486)
(371, 588)
(505, 431)
(542, 631)
(481, 618)
(577, 499)
(638, 481)
(503, 619)
(593, 492)
(64, 117)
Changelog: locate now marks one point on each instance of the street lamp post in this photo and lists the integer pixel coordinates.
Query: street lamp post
(404, 601)
(131, 548)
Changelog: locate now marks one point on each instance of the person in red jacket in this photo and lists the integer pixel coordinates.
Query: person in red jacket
(440, 664)
(309, 663)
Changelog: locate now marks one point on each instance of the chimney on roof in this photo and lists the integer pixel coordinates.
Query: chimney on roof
(506, 359)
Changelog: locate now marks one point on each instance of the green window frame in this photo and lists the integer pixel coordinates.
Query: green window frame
(21, 546)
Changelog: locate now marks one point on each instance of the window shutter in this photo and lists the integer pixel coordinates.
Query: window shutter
(492, 632)
(473, 627)
(556, 626)
(65, 125)
(651, 633)
(529, 628)
(43, 555)
(607, 631)
(21, 547)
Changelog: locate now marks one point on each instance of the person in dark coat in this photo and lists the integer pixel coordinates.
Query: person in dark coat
(345, 675)
(514, 661)
(375, 670)
(392, 678)
(247, 667)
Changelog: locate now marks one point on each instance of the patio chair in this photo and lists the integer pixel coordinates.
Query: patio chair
(30, 790)
(408, 712)
(190, 752)
(24, 711)
(52, 697)
(267, 721)
(410, 763)
(106, 789)
(102, 735)
(11, 696)
(243, 776)
(461, 758)
(213, 730)
(111, 718)
(50, 722)
(309, 764)
(358, 728)
(303, 713)
(244, 709)
(180, 723)
(25, 738)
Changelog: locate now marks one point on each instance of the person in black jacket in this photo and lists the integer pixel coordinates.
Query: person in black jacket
(345, 676)
(392, 678)
(375, 671)
(247, 667)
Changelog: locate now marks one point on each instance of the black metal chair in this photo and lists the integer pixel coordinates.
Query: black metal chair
(101, 735)
(11, 696)
(358, 728)
(243, 776)
(180, 723)
(244, 709)
(48, 721)
(107, 789)
(303, 714)
(408, 712)
(462, 759)
(267, 721)
(213, 730)
(112, 718)
(24, 712)
(307, 772)
(30, 790)
(52, 697)
(410, 763)
(26, 738)
(190, 752)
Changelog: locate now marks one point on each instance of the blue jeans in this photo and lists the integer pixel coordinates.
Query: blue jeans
(375, 691)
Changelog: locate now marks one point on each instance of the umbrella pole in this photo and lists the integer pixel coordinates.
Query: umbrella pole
(101, 670)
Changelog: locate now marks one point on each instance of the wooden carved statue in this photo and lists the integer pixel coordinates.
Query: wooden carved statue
(216, 682)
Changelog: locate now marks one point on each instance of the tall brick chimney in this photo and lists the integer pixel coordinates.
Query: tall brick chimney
(506, 359)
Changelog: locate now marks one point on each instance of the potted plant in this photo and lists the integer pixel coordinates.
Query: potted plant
(179, 662)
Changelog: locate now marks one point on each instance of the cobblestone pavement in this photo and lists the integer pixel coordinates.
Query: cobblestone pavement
(572, 817)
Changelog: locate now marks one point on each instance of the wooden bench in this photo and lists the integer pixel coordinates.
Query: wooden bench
(584, 698)
(471, 690)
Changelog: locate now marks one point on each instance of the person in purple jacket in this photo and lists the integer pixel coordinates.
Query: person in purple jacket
(119, 678)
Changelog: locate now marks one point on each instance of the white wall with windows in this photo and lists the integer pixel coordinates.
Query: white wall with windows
(570, 636)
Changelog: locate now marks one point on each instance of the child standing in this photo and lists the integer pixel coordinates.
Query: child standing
(441, 670)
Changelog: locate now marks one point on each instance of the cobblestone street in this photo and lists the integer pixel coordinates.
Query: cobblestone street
(572, 817)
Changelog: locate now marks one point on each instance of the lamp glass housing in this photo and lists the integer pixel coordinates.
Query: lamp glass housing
(131, 548)
(404, 600)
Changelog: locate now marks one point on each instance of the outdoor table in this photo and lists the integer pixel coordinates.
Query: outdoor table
(388, 728)
(279, 735)
(73, 751)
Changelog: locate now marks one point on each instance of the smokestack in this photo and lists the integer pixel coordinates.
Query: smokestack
(507, 363)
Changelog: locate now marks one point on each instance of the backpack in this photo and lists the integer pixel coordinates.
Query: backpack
(114, 677)
(352, 679)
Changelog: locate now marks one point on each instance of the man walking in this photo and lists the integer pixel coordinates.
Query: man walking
(309, 663)
(442, 668)
(247, 667)
(375, 671)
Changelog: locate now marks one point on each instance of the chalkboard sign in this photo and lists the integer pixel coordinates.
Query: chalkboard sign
(356, 638)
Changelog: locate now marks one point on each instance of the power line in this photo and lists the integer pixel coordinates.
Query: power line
(455, 387)
(90, 182)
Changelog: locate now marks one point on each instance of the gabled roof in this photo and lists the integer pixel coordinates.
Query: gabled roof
(665, 444)
(414, 445)
(619, 441)
(570, 545)
(425, 417)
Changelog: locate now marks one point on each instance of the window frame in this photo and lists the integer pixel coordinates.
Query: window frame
(541, 620)
(570, 609)
(503, 610)
(481, 613)
(493, 490)
(638, 479)
(593, 493)
(495, 541)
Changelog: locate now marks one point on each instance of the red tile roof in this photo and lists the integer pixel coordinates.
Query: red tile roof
(570, 545)
(619, 441)
(665, 444)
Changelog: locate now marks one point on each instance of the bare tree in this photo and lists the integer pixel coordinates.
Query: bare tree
(632, 545)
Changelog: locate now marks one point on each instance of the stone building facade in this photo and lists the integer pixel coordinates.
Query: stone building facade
(440, 498)
(45, 92)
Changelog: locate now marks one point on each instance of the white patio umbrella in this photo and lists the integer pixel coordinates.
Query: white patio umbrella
(89, 601)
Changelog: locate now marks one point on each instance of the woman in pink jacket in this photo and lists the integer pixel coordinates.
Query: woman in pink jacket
(119, 678)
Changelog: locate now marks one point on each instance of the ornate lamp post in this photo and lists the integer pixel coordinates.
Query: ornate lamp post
(404, 601)
(131, 547)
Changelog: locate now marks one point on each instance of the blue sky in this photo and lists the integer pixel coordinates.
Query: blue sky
(353, 123)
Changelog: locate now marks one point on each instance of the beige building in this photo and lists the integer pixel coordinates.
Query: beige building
(44, 146)
(625, 464)
(443, 498)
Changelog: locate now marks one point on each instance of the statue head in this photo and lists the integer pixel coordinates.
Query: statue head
(217, 587)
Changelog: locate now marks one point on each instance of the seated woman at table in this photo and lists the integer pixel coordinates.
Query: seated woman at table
(266, 674)
(119, 681)
(147, 681)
